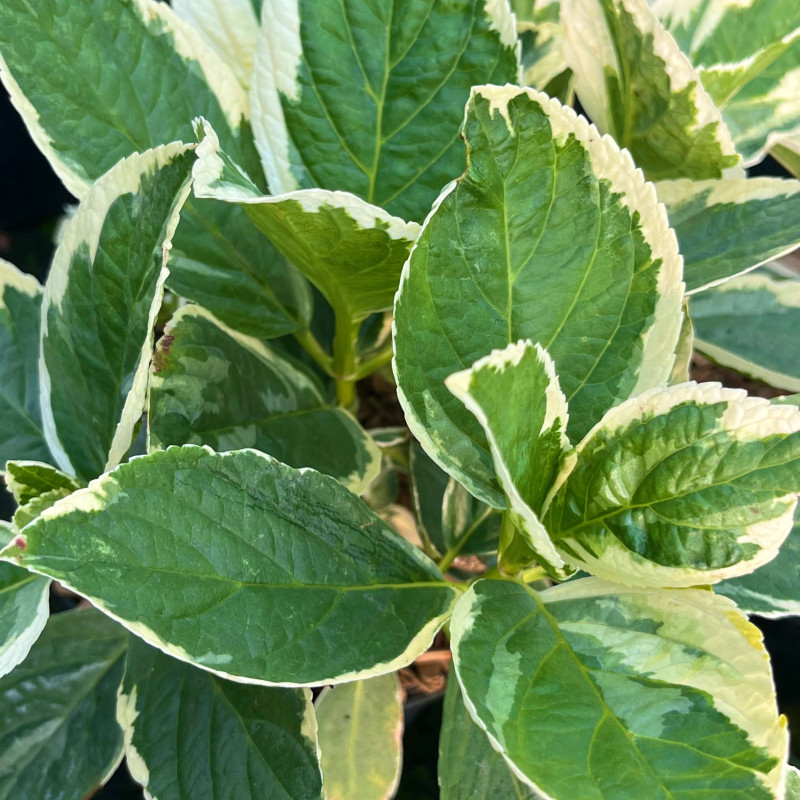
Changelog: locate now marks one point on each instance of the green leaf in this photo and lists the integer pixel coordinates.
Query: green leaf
(774, 589)
(361, 738)
(59, 738)
(750, 324)
(228, 27)
(213, 386)
(158, 74)
(747, 53)
(24, 608)
(152, 87)
(21, 434)
(680, 487)
(730, 226)
(102, 296)
(553, 236)
(353, 252)
(541, 34)
(515, 395)
(595, 691)
(29, 479)
(636, 84)
(469, 767)
(223, 263)
(367, 97)
(244, 566)
(190, 735)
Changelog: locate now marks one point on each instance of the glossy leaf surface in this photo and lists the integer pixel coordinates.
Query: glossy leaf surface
(750, 324)
(351, 251)
(637, 85)
(190, 735)
(515, 395)
(244, 566)
(727, 227)
(552, 236)
(680, 487)
(368, 98)
(596, 691)
(59, 738)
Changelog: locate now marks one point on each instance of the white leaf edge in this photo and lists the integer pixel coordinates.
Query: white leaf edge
(85, 228)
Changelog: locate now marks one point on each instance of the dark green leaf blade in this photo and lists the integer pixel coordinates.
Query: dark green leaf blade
(367, 97)
(21, 433)
(244, 566)
(212, 386)
(190, 735)
(59, 739)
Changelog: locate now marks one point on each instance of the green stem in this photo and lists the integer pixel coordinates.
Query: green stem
(344, 360)
(374, 362)
(311, 345)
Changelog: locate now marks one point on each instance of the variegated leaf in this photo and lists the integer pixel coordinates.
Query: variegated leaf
(750, 324)
(190, 735)
(469, 767)
(729, 226)
(24, 608)
(351, 251)
(367, 97)
(100, 304)
(552, 235)
(59, 739)
(636, 84)
(243, 566)
(747, 53)
(595, 691)
(541, 34)
(680, 487)
(157, 75)
(228, 27)
(210, 385)
(774, 589)
(29, 479)
(515, 396)
(361, 738)
(21, 433)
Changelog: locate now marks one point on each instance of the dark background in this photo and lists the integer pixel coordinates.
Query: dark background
(32, 200)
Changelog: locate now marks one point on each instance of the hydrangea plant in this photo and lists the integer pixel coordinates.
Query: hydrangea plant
(278, 199)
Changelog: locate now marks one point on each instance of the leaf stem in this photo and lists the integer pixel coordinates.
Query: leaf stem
(311, 345)
(344, 360)
(374, 362)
